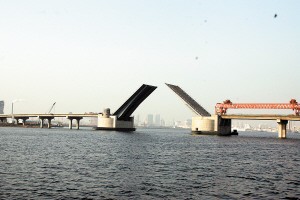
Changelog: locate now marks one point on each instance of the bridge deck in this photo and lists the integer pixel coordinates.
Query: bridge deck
(190, 102)
(47, 115)
(126, 110)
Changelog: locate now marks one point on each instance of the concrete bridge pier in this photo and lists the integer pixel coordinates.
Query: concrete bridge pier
(77, 122)
(3, 120)
(49, 122)
(282, 128)
(224, 126)
(23, 120)
(42, 120)
(71, 122)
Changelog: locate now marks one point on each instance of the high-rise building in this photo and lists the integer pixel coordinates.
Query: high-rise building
(157, 120)
(162, 122)
(1, 107)
(150, 120)
(137, 120)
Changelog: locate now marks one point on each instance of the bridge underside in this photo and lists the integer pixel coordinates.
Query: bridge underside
(126, 110)
(190, 102)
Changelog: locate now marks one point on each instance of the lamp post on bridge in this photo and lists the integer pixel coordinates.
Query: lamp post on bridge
(12, 112)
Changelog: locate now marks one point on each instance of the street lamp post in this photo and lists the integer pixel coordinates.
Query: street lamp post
(12, 112)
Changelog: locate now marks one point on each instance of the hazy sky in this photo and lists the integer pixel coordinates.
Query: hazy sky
(89, 55)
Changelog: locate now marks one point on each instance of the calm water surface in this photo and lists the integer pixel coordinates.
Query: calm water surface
(147, 164)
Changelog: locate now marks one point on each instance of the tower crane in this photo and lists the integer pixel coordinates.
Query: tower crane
(51, 108)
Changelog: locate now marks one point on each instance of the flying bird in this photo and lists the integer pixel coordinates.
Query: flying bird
(275, 15)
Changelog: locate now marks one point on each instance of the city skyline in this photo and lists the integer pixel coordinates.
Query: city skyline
(87, 57)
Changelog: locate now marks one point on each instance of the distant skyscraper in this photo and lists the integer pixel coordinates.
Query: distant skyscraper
(162, 122)
(150, 120)
(157, 120)
(137, 120)
(1, 107)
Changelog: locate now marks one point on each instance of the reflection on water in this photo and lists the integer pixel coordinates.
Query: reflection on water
(147, 164)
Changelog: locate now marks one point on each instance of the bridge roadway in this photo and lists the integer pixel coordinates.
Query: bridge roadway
(282, 120)
(49, 117)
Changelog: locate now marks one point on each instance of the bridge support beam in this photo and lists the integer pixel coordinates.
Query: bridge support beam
(3, 120)
(49, 122)
(22, 118)
(77, 122)
(224, 126)
(71, 122)
(282, 128)
(42, 120)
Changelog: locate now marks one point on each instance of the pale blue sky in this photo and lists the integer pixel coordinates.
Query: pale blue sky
(88, 55)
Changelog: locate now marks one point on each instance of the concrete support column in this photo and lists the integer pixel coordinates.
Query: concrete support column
(43, 119)
(41, 122)
(49, 122)
(77, 123)
(24, 120)
(282, 128)
(70, 123)
(3, 120)
(224, 126)
(16, 121)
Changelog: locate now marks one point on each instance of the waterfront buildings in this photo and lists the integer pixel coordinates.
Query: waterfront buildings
(1, 107)
(157, 120)
(150, 120)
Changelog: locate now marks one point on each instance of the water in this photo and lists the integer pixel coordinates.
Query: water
(147, 164)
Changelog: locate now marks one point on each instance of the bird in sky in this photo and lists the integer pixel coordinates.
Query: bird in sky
(275, 15)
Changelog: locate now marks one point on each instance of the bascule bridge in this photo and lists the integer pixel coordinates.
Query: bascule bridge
(220, 122)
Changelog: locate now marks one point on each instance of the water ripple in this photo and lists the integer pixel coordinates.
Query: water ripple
(148, 164)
